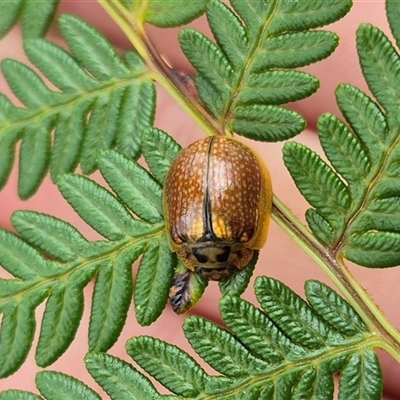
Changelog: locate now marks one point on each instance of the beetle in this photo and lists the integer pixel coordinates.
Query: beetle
(217, 206)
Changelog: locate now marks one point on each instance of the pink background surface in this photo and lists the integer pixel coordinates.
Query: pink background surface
(280, 258)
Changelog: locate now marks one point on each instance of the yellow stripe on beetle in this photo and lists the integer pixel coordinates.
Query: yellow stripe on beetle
(217, 206)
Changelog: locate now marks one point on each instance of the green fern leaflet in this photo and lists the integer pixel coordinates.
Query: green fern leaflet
(165, 14)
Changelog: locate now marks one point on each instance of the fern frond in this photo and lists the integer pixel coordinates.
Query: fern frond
(36, 17)
(51, 259)
(242, 75)
(289, 350)
(102, 102)
(264, 350)
(355, 200)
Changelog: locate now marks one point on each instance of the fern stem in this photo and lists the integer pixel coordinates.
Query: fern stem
(337, 271)
(159, 70)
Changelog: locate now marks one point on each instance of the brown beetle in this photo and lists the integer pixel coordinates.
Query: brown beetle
(217, 206)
